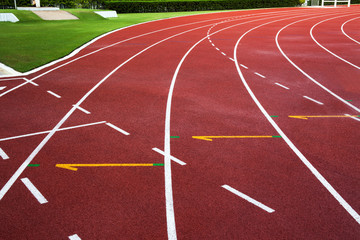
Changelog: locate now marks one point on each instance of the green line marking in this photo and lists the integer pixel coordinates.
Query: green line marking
(34, 165)
(174, 136)
(276, 136)
(158, 164)
(274, 116)
(348, 100)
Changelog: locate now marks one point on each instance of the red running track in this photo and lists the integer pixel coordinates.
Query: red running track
(200, 97)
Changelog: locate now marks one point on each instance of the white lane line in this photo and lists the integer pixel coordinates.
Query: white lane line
(171, 157)
(217, 48)
(249, 199)
(81, 109)
(2, 88)
(117, 129)
(244, 66)
(282, 86)
(43, 132)
(303, 159)
(54, 94)
(357, 119)
(303, 72)
(223, 53)
(3, 155)
(259, 75)
(311, 99)
(342, 29)
(10, 79)
(74, 237)
(31, 82)
(37, 194)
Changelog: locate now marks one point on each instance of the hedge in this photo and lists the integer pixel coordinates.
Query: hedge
(181, 6)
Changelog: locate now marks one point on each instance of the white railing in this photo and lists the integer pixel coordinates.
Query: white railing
(336, 1)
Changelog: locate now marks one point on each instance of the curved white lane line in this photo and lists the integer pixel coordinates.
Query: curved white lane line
(313, 170)
(343, 31)
(335, 55)
(170, 215)
(304, 73)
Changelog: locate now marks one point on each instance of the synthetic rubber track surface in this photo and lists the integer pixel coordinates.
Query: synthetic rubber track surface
(236, 125)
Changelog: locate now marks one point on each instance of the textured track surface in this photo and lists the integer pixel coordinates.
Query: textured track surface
(236, 125)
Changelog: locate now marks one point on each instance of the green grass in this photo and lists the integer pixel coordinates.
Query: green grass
(33, 42)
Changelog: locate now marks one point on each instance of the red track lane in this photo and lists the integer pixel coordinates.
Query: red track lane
(209, 99)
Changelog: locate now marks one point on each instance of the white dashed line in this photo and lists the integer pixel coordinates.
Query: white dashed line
(171, 157)
(2, 88)
(74, 237)
(117, 129)
(262, 76)
(244, 66)
(3, 154)
(313, 100)
(282, 86)
(81, 109)
(37, 194)
(249, 199)
(357, 119)
(54, 94)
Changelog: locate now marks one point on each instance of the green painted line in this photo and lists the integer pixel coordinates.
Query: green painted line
(348, 100)
(158, 164)
(276, 136)
(174, 136)
(274, 116)
(34, 165)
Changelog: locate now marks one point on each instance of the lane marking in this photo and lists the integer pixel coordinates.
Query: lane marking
(259, 75)
(342, 29)
(2, 88)
(249, 199)
(74, 237)
(304, 160)
(324, 116)
(311, 99)
(82, 109)
(31, 82)
(174, 136)
(34, 165)
(282, 86)
(54, 94)
(75, 166)
(3, 155)
(210, 138)
(43, 132)
(117, 129)
(355, 117)
(244, 66)
(34, 191)
(171, 157)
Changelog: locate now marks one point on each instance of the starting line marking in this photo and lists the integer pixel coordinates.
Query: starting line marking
(117, 129)
(282, 86)
(54, 94)
(3, 154)
(210, 138)
(34, 191)
(171, 157)
(309, 98)
(74, 167)
(249, 199)
(74, 237)
(81, 109)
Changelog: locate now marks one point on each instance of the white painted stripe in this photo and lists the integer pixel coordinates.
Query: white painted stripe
(81, 109)
(231, 59)
(342, 29)
(171, 157)
(37, 194)
(259, 75)
(304, 160)
(282, 86)
(117, 129)
(217, 48)
(74, 237)
(31, 82)
(43, 132)
(223, 53)
(244, 66)
(54, 94)
(355, 118)
(10, 79)
(311, 99)
(3, 155)
(249, 199)
(2, 88)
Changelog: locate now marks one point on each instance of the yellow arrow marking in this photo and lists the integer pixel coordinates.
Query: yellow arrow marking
(323, 116)
(210, 138)
(74, 167)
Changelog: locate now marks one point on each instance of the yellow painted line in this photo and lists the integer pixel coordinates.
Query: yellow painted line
(323, 116)
(74, 167)
(210, 138)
